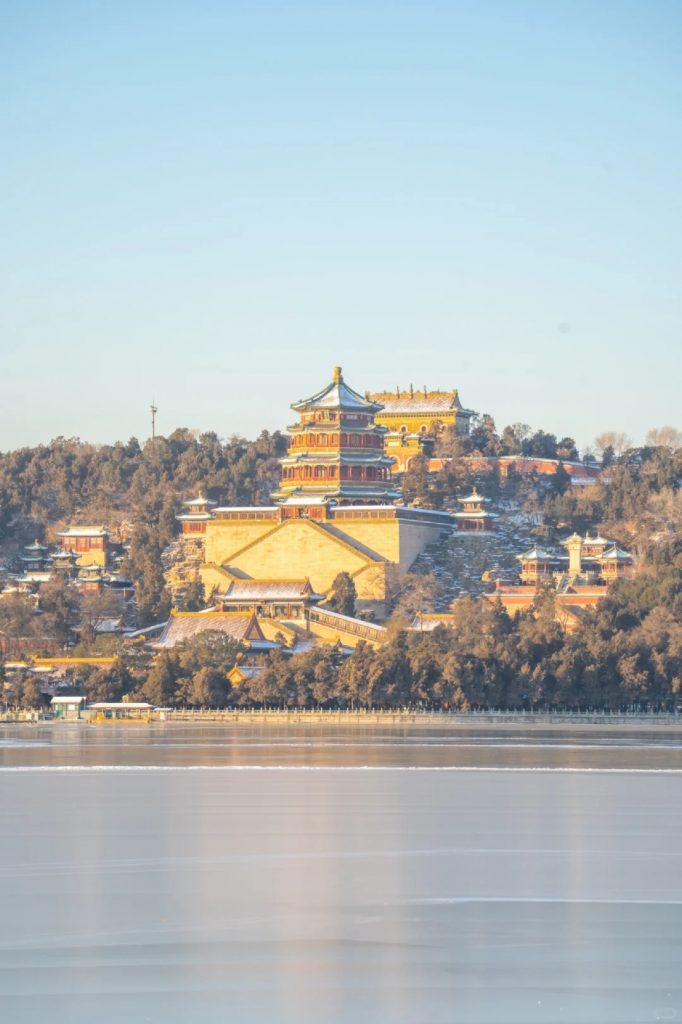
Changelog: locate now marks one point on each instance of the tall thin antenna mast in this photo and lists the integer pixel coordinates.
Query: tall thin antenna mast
(154, 411)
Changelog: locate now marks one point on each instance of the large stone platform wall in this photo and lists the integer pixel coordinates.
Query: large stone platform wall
(364, 548)
(396, 540)
(224, 537)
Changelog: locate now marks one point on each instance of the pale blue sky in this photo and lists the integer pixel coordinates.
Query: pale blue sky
(212, 204)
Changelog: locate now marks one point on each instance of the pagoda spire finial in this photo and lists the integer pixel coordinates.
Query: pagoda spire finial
(337, 375)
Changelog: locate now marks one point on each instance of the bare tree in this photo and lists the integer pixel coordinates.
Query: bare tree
(664, 437)
(618, 442)
(414, 592)
(96, 610)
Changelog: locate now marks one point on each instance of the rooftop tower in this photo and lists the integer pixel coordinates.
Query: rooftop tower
(336, 455)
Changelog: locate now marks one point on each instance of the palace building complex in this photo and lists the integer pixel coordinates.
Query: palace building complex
(86, 556)
(339, 508)
(413, 419)
(336, 509)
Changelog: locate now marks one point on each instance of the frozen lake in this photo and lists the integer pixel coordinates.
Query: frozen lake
(335, 892)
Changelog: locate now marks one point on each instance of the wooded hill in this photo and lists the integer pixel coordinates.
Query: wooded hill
(628, 651)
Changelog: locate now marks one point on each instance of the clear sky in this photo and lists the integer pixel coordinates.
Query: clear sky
(213, 203)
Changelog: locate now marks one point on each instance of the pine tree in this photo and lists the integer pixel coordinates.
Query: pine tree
(343, 594)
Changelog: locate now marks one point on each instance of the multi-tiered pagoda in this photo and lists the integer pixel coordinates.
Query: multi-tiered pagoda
(336, 455)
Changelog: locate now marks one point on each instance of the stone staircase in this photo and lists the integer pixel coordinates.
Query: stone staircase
(460, 560)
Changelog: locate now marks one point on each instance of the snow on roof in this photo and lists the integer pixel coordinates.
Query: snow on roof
(337, 395)
(474, 496)
(311, 499)
(598, 540)
(247, 508)
(269, 590)
(412, 402)
(400, 509)
(617, 554)
(109, 625)
(416, 509)
(363, 508)
(156, 628)
(184, 626)
(479, 513)
(204, 502)
(537, 553)
(85, 531)
(111, 705)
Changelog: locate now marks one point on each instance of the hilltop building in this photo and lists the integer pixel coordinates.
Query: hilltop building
(86, 558)
(277, 599)
(421, 412)
(336, 453)
(580, 578)
(64, 561)
(473, 517)
(242, 628)
(336, 510)
(36, 566)
(35, 557)
(572, 601)
(92, 544)
(536, 564)
(413, 419)
(197, 515)
(589, 560)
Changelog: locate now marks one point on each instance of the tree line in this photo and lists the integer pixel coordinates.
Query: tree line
(128, 482)
(627, 651)
(136, 488)
(627, 654)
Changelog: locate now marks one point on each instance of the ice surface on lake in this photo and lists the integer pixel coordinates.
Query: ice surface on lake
(388, 897)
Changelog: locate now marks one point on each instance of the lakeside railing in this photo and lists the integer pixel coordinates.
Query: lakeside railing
(407, 715)
(403, 716)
